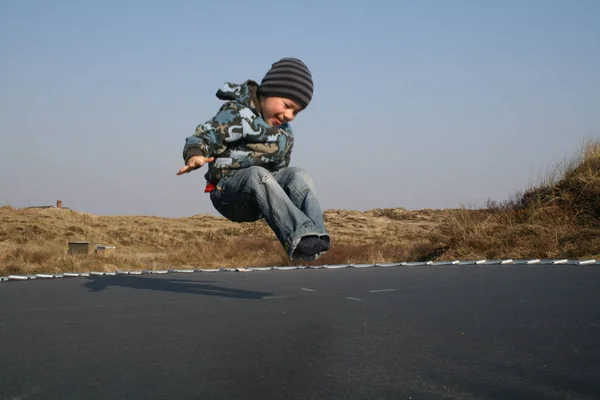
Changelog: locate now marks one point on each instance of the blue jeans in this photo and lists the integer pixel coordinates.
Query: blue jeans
(285, 198)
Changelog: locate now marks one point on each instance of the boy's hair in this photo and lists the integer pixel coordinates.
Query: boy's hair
(289, 78)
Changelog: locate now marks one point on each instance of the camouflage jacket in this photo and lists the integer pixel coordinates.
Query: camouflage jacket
(238, 137)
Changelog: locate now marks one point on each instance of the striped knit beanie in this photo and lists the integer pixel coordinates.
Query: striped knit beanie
(289, 78)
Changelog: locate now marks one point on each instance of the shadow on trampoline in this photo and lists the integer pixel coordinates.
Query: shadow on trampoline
(100, 283)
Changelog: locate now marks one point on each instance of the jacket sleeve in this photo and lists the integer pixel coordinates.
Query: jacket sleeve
(211, 138)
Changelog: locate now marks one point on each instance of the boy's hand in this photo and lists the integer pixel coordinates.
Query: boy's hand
(193, 163)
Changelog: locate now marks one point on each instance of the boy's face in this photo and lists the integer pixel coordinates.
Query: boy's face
(279, 110)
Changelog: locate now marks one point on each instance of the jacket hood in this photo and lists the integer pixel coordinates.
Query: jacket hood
(244, 93)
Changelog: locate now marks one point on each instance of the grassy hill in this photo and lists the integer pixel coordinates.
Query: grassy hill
(34, 240)
(559, 218)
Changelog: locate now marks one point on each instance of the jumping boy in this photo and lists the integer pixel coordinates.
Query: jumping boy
(248, 146)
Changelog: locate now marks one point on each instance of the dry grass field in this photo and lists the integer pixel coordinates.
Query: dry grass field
(36, 240)
(558, 218)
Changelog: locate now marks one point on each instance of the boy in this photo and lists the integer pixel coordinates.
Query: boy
(248, 146)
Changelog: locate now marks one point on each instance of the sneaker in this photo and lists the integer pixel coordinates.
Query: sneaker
(311, 245)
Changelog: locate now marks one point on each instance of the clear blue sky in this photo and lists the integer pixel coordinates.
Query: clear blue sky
(417, 104)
